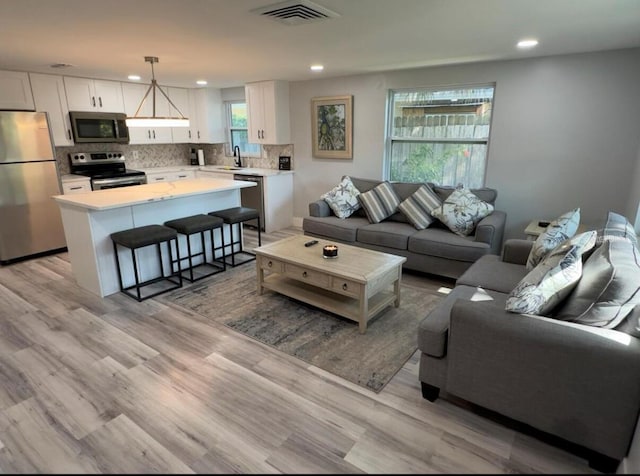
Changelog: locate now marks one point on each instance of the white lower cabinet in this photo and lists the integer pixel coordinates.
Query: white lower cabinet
(278, 201)
(170, 176)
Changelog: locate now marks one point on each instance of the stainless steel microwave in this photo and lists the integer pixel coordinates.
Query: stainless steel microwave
(99, 127)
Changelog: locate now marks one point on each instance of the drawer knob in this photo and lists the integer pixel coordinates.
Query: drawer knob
(345, 287)
(304, 274)
(270, 264)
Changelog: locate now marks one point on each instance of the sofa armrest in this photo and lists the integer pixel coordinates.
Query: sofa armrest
(319, 208)
(578, 382)
(516, 251)
(490, 230)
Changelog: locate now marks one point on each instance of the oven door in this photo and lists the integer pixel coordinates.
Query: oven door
(116, 182)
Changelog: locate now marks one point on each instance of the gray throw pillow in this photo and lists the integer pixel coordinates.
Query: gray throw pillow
(609, 288)
(380, 202)
(418, 206)
(462, 211)
(617, 227)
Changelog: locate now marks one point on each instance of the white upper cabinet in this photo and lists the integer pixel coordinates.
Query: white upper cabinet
(84, 94)
(49, 96)
(15, 91)
(133, 94)
(206, 116)
(180, 98)
(268, 112)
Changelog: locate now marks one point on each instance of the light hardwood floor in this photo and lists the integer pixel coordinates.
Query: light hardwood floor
(111, 385)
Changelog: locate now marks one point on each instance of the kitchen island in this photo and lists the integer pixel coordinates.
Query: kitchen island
(90, 218)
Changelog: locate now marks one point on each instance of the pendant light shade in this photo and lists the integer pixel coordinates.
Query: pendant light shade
(156, 121)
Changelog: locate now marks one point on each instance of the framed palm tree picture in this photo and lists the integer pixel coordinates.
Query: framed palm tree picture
(331, 127)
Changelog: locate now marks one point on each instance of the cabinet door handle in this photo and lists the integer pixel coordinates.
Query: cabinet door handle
(75, 188)
(149, 133)
(93, 101)
(154, 133)
(159, 178)
(198, 134)
(270, 264)
(69, 133)
(100, 101)
(345, 287)
(304, 274)
(189, 134)
(182, 176)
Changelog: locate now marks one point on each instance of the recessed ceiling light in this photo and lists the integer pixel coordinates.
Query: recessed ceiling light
(201, 82)
(134, 77)
(317, 67)
(526, 44)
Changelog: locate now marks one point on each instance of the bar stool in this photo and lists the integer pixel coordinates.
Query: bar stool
(201, 223)
(140, 237)
(236, 216)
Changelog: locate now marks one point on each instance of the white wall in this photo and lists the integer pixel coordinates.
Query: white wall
(633, 206)
(564, 133)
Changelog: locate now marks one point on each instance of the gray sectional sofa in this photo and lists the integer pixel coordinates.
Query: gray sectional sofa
(435, 250)
(575, 381)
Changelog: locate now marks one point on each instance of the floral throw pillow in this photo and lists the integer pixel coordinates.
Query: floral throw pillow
(343, 199)
(462, 211)
(559, 230)
(553, 279)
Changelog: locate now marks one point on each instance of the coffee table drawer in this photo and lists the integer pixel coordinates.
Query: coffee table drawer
(273, 265)
(345, 286)
(308, 276)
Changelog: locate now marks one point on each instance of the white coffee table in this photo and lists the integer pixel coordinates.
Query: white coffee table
(358, 284)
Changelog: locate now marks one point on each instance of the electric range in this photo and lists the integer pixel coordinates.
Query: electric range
(106, 169)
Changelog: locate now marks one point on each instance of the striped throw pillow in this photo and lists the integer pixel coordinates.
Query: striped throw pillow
(418, 206)
(380, 202)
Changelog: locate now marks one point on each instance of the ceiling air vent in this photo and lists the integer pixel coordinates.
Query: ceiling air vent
(295, 12)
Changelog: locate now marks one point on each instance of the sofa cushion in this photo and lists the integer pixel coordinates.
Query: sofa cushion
(334, 227)
(490, 272)
(617, 226)
(462, 211)
(386, 233)
(609, 288)
(544, 287)
(417, 207)
(559, 230)
(433, 329)
(343, 198)
(440, 242)
(380, 202)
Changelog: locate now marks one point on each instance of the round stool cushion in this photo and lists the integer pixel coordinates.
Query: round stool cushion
(194, 224)
(143, 236)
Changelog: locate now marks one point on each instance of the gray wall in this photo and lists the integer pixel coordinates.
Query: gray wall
(565, 132)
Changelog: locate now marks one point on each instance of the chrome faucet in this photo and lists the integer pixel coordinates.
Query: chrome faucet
(237, 162)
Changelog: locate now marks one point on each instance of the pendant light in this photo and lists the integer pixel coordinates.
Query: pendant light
(153, 120)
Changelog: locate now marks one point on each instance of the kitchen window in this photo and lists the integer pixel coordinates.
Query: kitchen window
(439, 135)
(237, 127)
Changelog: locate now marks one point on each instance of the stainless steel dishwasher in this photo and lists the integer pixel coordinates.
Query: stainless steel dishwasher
(253, 197)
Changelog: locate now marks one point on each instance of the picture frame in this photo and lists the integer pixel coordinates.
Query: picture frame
(332, 127)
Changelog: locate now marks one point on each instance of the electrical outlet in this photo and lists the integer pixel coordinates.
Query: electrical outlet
(136, 155)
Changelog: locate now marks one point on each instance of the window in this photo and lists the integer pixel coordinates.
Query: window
(237, 126)
(439, 135)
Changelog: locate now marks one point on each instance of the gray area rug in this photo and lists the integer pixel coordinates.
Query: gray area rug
(323, 339)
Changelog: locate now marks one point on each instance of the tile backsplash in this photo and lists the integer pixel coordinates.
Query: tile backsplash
(166, 155)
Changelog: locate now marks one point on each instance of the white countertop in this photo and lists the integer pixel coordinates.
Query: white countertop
(216, 168)
(152, 192)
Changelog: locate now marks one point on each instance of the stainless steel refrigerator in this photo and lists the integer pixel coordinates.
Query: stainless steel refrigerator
(30, 222)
